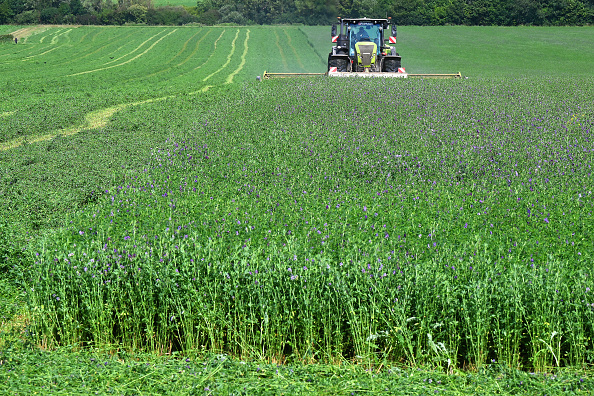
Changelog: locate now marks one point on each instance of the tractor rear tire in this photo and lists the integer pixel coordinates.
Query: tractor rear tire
(391, 65)
(340, 64)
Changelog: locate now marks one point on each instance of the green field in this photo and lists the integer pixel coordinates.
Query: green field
(185, 3)
(156, 198)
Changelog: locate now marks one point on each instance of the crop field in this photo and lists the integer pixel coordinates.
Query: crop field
(157, 198)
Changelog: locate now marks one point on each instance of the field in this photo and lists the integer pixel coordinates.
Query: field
(156, 198)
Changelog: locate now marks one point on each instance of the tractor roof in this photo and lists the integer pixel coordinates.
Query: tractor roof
(367, 20)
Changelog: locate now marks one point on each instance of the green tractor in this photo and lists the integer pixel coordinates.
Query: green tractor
(362, 47)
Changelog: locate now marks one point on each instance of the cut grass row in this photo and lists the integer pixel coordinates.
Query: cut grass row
(66, 372)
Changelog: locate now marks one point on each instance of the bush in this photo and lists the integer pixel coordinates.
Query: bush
(234, 17)
(210, 17)
(6, 38)
(137, 13)
(50, 15)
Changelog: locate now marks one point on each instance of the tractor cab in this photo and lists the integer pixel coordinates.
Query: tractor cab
(365, 32)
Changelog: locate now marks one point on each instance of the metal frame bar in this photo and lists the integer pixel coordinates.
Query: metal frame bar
(267, 75)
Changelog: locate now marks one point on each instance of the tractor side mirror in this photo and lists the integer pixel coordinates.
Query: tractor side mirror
(334, 30)
(393, 30)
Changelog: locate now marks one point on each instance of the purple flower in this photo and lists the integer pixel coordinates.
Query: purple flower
(364, 208)
(546, 220)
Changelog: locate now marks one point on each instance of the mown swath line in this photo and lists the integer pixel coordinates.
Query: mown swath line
(228, 58)
(183, 48)
(212, 53)
(106, 45)
(179, 64)
(282, 53)
(43, 53)
(7, 113)
(112, 42)
(126, 62)
(34, 32)
(93, 120)
(48, 35)
(134, 50)
(196, 48)
(55, 38)
(293, 49)
(85, 36)
(243, 55)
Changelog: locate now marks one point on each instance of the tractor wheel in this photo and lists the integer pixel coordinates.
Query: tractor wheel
(391, 65)
(340, 64)
(331, 63)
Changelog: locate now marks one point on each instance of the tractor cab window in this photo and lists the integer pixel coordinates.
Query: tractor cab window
(364, 32)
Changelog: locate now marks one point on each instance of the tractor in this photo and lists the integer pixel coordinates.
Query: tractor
(362, 47)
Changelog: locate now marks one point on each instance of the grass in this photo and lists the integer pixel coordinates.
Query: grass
(74, 372)
(130, 168)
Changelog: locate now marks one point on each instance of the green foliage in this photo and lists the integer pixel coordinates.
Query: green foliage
(409, 237)
(68, 372)
(6, 38)
(309, 12)
(144, 157)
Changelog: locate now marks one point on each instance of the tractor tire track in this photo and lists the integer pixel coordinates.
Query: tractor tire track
(293, 49)
(320, 57)
(104, 46)
(55, 38)
(196, 48)
(183, 48)
(280, 50)
(85, 36)
(212, 53)
(93, 120)
(134, 50)
(229, 56)
(229, 79)
(187, 59)
(43, 53)
(126, 62)
(48, 35)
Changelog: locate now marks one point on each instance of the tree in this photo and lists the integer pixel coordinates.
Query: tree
(317, 12)
(76, 7)
(137, 13)
(5, 12)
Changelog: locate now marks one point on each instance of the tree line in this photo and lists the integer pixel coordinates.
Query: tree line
(308, 12)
